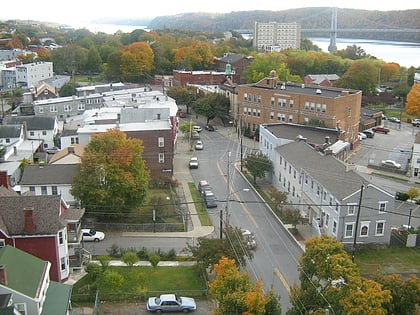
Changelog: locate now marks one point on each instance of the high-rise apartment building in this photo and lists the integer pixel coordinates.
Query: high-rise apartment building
(273, 36)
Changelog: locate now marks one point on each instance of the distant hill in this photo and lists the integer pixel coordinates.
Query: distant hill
(309, 18)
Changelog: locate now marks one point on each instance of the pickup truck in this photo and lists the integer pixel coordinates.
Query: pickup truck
(380, 129)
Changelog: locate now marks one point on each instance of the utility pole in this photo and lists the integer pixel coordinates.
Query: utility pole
(359, 208)
(228, 189)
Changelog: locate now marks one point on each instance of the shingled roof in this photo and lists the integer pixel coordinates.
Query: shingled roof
(52, 174)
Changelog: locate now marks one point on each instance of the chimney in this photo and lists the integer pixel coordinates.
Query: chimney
(70, 150)
(29, 223)
(3, 275)
(4, 179)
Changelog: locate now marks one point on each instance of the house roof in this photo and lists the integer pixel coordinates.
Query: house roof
(7, 192)
(230, 58)
(46, 214)
(57, 300)
(10, 131)
(318, 78)
(74, 149)
(49, 174)
(25, 272)
(327, 170)
(313, 135)
(32, 122)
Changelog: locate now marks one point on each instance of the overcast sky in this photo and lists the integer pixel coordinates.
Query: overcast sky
(83, 11)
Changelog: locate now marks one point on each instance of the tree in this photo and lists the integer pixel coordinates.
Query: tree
(197, 56)
(212, 105)
(353, 52)
(112, 176)
(130, 258)
(236, 295)
(183, 95)
(362, 75)
(68, 89)
(208, 251)
(413, 100)
(258, 164)
(413, 193)
(405, 293)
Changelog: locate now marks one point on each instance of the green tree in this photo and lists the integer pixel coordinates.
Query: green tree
(413, 100)
(413, 193)
(130, 258)
(183, 95)
(94, 61)
(212, 105)
(362, 75)
(68, 89)
(110, 281)
(112, 175)
(353, 52)
(258, 164)
(154, 260)
(208, 251)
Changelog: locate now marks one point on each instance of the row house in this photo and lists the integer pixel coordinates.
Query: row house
(269, 101)
(43, 226)
(332, 196)
(26, 287)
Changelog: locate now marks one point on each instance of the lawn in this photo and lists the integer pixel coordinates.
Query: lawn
(140, 282)
(391, 259)
(199, 206)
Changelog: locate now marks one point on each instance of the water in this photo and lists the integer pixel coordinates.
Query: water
(403, 53)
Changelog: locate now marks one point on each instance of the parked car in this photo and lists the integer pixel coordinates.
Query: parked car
(203, 186)
(362, 136)
(91, 235)
(193, 162)
(394, 119)
(209, 199)
(369, 133)
(170, 303)
(52, 150)
(199, 145)
(195, 135)
(416, 122)
(380, 129)
(197, 128)
(391, 164)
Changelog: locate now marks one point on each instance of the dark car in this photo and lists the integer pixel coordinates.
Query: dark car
(210, 199)
(380, 129)
(210, 128)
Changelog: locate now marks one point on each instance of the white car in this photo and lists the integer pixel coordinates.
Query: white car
(194, 162)
(52, 150)
(90, 235)
(391, 163)
(362, 136)
(199, 145)
(171, 303)
(197, 128)
(249, 238)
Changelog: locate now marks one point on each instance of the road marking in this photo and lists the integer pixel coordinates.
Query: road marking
(282, 279)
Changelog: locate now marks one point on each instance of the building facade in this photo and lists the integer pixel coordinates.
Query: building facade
(32, 74)
(273, 36)
(269, 101)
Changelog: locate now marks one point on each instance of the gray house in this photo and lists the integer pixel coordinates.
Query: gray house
(336, 200)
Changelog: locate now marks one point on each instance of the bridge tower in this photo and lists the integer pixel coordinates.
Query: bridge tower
(333, 34)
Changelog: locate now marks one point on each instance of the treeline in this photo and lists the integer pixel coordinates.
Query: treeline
(309, 18)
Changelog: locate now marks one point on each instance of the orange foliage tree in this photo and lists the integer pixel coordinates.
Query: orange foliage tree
(413, 100)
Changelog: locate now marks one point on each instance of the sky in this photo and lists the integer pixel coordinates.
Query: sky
(77, 12)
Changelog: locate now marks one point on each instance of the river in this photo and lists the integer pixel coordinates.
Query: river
(403, 53)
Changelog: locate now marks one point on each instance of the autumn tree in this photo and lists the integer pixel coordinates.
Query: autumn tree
(389, 72)
(197, 56)
(237, 295)
(413, 193)
(353, 52)
(112, 176)
(413, 100)
(183, 95)
(330, 280)
(257, 165)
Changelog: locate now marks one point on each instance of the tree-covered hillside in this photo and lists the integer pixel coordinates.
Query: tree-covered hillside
(309, 18)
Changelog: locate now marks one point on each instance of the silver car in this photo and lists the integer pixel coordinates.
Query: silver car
(171, 303)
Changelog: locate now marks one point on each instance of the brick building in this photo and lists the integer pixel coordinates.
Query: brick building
(269, 101)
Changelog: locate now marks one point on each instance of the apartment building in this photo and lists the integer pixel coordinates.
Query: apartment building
(269, 101)
(34, 73)
(273, 36)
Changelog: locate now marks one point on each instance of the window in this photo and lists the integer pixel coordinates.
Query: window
(382, 206)
(61, 238)
(161, 142)
(54, 190)
(67, 108)
(349, 230)
(32, 188)
(380, 227)
(2, 242)
(364, 229)
(63, 263)
(271, 115)
(272, 100)
(291, 104)
(324, 108)
(81, 106)
(44, 133)
(351, 209)
(31, 133)
(41, 109)
(161, 158)
(307, 105)
(327, 219)
(53, 108)
(334, 230)
(43, 190)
